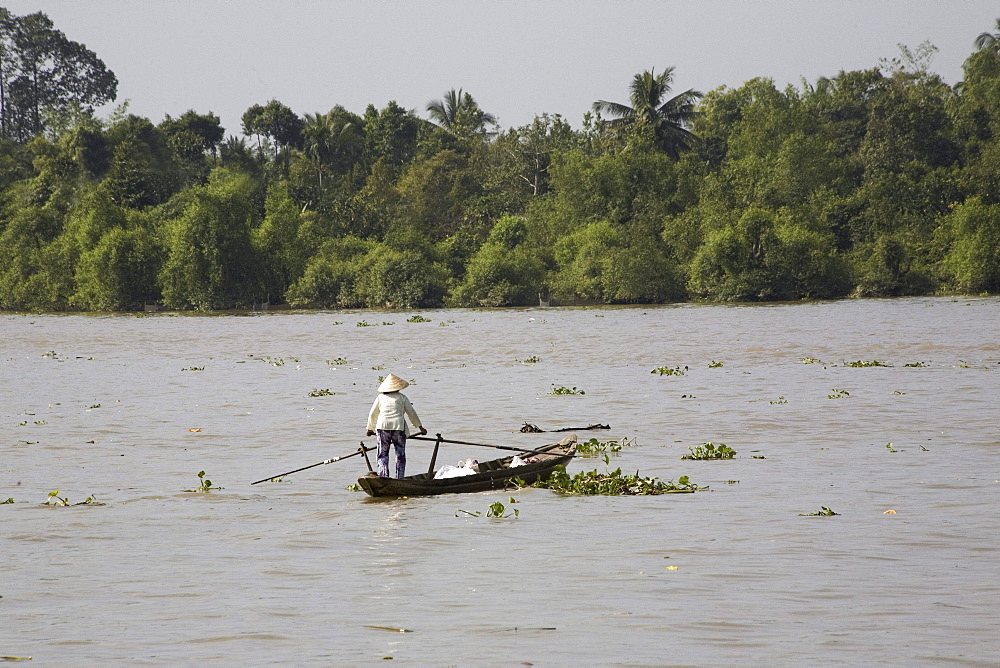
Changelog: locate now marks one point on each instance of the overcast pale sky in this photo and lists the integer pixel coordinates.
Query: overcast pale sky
(517, 58)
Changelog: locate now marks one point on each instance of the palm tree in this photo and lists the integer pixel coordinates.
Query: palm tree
(668, 120)
(331, 140)
(989, 41)
(459, 114)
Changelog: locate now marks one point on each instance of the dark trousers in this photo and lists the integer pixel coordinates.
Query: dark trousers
(397, 438)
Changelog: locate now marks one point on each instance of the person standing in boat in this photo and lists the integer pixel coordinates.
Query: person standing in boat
(387, 418)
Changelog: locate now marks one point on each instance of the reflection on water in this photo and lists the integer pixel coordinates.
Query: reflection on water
(305, 571)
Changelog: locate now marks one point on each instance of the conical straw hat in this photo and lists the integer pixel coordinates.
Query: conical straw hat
(392, 383)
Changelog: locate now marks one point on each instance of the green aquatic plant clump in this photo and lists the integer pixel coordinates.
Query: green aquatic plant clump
(496, 510)
(418, 318)
(321, 392)
(822, 512)
(669, 371)
(612, 483)
(710, 451)
(566, 390)
(594, 447)
(204, 486)
(55, 500)
(863, 363)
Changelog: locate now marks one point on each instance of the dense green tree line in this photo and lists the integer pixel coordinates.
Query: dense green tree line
(877, 182)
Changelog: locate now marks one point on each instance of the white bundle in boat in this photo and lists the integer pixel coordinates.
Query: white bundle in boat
(466, 467)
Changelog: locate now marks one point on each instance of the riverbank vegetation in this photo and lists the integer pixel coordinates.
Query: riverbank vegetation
(877, 182)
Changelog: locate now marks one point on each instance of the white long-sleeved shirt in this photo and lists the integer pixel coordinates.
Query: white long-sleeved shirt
(390, 411)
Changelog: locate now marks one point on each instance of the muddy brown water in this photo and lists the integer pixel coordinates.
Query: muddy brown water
(308, 573)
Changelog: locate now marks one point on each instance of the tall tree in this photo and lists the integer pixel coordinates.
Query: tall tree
(333, 141)
(43, 74)
(459, 114)
(667, 119)
(390, 134)
(988, 41)
(275, 121)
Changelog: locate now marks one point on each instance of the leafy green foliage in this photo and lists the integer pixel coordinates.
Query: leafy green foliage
(670, 371)
(972, 263)
(838, 394)
(505, 271)
(710, 451)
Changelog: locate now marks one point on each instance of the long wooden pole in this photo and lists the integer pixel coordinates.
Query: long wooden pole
(481, 445)
(361, 450)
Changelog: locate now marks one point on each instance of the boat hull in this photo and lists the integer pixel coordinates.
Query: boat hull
(494, 474)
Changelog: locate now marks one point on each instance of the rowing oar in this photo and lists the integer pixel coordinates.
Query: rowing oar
(359, 451)
(484, 445)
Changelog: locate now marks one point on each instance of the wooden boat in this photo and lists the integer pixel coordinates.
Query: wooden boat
(493, 474)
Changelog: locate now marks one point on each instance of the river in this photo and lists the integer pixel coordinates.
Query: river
(128, 409)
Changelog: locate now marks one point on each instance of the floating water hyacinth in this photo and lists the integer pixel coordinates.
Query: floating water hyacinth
(710, 451)
(862, 363)
(822, 512)
(593, 447)
(205, 484)
(613, 483)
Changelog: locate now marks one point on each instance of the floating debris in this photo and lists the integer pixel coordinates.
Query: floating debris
(587, 428)
(529, 428)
